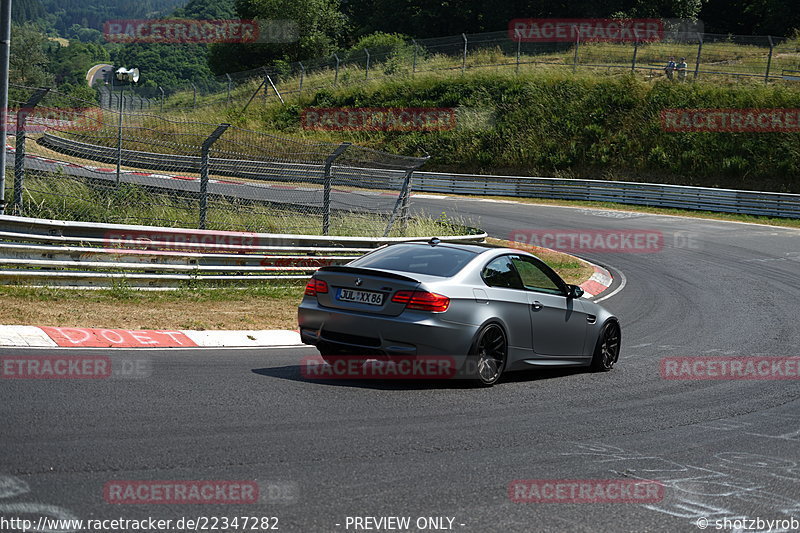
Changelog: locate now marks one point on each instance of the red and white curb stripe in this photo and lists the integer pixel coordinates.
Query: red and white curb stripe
(53, 337)
(599, 282)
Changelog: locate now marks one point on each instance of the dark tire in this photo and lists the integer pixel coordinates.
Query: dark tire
(606, 352)
(489, 355)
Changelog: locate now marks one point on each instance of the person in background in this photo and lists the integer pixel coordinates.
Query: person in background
(682, 66)
(670, 68)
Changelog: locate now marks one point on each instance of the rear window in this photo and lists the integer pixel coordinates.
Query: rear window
(419, 259)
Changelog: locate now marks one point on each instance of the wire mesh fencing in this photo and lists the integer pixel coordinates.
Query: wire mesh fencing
(706, 55)
(77, 161)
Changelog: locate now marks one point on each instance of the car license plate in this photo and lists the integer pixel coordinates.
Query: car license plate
(361, 297)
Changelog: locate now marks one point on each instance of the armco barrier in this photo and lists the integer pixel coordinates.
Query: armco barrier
(646, 194)
(85, 254)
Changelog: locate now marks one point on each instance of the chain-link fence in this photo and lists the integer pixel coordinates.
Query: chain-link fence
(706, 55)
(179, 173)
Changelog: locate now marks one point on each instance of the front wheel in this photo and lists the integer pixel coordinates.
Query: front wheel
(488, 359)
(606, 351)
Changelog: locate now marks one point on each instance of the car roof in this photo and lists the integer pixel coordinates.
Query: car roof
(475, 247)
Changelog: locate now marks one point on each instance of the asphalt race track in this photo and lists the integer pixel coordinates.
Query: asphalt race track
(338, 449)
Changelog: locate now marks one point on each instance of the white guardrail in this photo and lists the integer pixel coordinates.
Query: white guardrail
(86, 254)
(631, 193)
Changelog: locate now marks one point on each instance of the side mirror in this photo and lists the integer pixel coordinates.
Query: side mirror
(573, 291)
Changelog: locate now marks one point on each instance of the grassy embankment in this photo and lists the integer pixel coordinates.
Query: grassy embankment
(547, 121)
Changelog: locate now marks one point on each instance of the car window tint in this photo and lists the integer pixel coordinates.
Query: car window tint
(500, 273)
(534, 277)
(432, 260)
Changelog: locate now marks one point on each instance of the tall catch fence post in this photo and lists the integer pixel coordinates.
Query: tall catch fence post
(575, 56)
(635, 52)
(414, 60)
(19, 155)
(204, 159)
(336, 72)
(229, 87)
(119, 131)
(366, 70)
(264, 84)
(769, 58)
(326, 191)
(464, 57)
(519, 45)
(194, 96)
(699, 53)
(162, 98)
(401, 205)
(302, 75)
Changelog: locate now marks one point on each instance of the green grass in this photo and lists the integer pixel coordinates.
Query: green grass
(601, 123)
(61, 197)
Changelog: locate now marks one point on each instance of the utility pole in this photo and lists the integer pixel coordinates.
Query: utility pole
(5, 52)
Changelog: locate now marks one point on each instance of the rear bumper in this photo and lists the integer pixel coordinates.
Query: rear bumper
(410, 333)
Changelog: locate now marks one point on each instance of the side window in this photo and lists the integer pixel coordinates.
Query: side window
(500, 273)
(534, 276)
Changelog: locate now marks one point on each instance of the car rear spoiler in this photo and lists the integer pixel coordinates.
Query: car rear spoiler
(366, 272)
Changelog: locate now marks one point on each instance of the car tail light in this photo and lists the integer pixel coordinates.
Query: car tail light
(422, 300)
(316, 286)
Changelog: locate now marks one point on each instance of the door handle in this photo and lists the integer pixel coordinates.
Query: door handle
(536, 306)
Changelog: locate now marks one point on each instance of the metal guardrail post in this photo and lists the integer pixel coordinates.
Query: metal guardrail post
(366, 71)
(464, 57)
(699, 52)
(204, 159)
(769, 59)
(326, 192)
(414, 61)
(119, 132)
(635, 52)
(19, 155)
(336, 72)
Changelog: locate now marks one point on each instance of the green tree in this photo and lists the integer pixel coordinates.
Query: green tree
(320, 24)
(70, 63)
(28, 61)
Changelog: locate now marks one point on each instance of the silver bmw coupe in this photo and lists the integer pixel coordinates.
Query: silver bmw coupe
(494, 309)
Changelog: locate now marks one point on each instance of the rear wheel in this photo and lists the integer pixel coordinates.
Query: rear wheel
(606, 351)
(489, 355)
